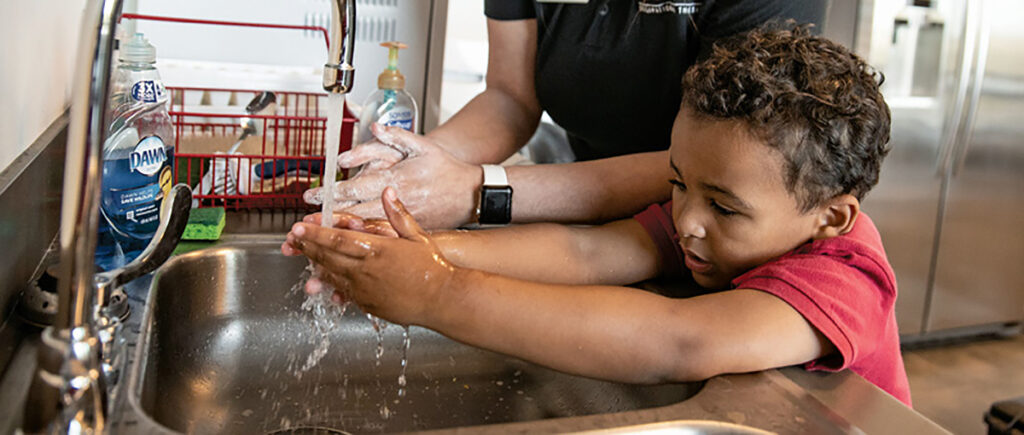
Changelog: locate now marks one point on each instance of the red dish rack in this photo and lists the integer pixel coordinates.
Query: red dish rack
(291, 137)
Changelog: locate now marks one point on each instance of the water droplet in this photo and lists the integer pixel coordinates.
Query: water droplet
(406, 343)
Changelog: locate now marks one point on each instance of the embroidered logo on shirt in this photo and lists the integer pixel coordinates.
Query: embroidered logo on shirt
(669, 7)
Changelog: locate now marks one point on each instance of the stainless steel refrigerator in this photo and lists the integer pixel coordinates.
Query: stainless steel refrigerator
(950, 201)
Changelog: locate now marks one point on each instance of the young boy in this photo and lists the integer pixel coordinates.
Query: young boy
(779, 137)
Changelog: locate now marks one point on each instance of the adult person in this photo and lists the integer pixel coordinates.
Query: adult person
(607, 71)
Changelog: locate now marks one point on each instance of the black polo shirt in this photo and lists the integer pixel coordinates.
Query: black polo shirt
(609, 71)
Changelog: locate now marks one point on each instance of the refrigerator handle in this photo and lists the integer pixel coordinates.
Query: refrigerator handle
(978, 75)
(954, 125)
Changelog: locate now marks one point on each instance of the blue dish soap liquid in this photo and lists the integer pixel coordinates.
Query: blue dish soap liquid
(390, 104)
(137, 157)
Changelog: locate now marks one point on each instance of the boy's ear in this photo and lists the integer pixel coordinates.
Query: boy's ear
(837, 216)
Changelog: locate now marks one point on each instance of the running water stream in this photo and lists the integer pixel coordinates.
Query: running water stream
(335, 111)
(332, 136)
(327, 315)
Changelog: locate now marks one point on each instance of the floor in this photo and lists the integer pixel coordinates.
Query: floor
(955, 383)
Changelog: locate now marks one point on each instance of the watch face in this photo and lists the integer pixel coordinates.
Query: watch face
(496, 205)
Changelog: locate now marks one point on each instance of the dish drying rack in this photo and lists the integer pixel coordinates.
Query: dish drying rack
(271, 169)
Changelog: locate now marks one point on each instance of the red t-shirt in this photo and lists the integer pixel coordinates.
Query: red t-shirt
(843, 286)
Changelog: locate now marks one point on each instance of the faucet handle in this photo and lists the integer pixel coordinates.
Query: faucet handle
(173, 218)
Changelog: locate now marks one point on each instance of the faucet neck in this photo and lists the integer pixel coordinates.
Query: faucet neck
(338, 71)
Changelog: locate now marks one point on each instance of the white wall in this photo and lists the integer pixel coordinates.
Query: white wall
(465, 57)
(39, 39)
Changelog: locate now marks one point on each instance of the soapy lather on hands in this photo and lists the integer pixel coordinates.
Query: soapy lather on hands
(404, 160)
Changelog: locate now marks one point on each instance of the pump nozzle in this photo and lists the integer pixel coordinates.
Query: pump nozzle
(392, 78)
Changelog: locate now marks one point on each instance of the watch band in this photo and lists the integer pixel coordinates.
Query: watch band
(494, 175)
(495, 206)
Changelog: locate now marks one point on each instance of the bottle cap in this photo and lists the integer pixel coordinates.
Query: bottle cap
(138, 50)
(392, 78)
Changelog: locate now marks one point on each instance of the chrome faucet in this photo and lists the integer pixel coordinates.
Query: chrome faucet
(70, 391)
(338, 71)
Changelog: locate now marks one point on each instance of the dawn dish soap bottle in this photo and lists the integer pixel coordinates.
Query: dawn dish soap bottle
(137, 156)
(390, 104)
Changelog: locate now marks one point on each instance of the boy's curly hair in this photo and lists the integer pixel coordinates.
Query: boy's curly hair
(808, 97)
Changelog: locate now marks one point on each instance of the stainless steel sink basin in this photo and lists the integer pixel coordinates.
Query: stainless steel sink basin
(224, 338)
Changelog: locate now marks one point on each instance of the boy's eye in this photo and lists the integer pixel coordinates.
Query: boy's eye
(721, 210)
(678, 184)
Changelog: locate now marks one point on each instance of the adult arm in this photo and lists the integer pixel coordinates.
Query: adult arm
(442, 192)
(501, 119)
(438, 175)
(587, 192)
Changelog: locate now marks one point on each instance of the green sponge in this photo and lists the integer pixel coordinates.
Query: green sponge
(204, 224)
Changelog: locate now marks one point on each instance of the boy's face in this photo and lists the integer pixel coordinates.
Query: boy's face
(729, 200)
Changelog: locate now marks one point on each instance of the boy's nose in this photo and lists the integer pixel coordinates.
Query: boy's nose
(693, 231)
(690, 224)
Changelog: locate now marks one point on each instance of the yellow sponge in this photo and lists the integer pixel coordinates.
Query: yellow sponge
(204, 224)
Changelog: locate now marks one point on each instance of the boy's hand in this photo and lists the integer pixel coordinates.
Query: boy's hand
(345, 221)
(398, 276)
(341, 220)
(349, 221)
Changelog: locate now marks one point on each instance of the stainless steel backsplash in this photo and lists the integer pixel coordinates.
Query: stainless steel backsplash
(30, 195)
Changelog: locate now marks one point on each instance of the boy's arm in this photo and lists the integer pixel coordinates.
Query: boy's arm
(625, 334)
(618, 252)
(600, 331)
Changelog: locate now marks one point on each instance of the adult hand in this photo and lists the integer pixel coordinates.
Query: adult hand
(439, 189)
(371, 155)
(397, 278)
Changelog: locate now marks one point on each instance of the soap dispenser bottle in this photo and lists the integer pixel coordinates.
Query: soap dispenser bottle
(390, 104)
(138, 156)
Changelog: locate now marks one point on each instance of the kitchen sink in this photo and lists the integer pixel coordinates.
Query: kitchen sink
(226, 346)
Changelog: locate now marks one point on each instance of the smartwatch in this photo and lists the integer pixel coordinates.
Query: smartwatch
(495, 206)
